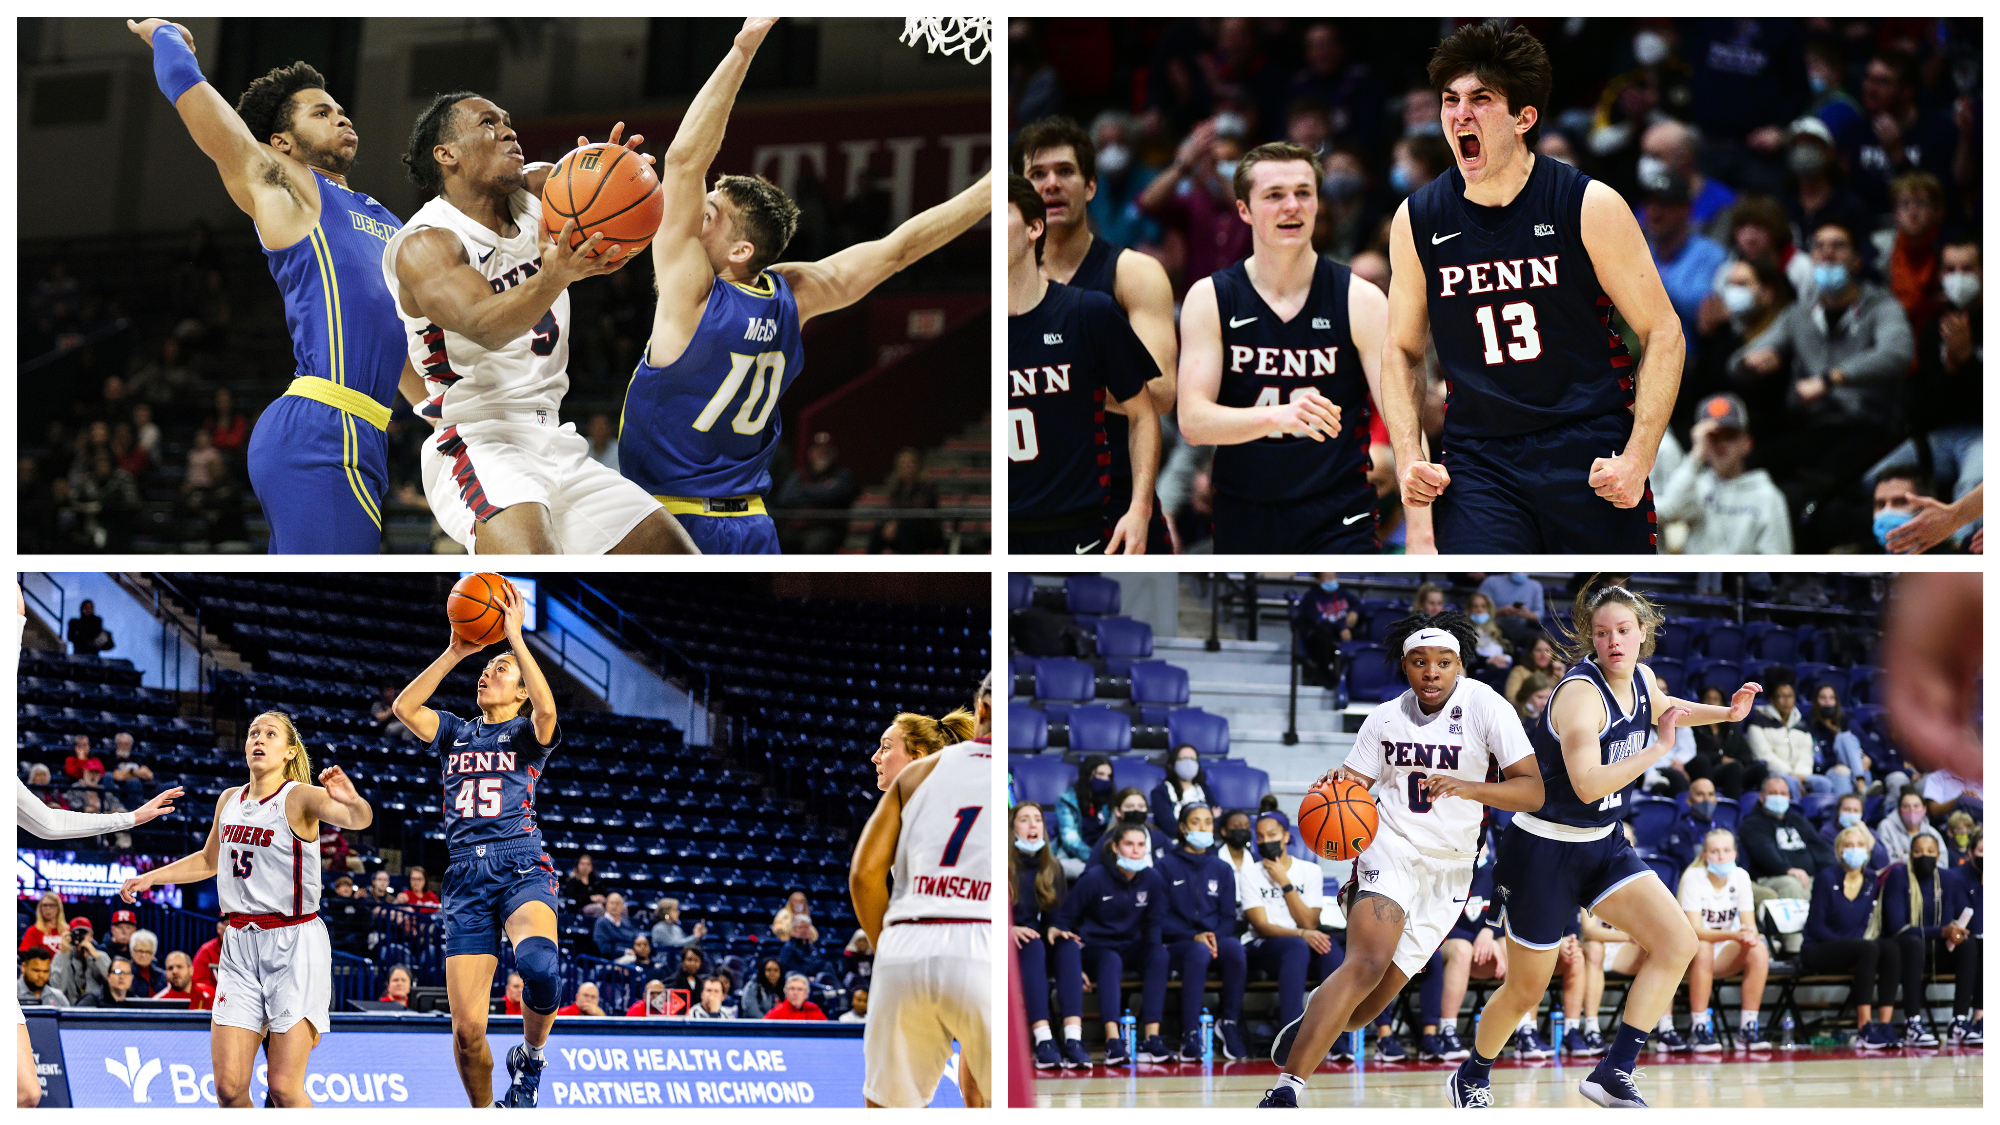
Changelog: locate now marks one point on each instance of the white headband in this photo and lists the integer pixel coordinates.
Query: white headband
(1431, 638)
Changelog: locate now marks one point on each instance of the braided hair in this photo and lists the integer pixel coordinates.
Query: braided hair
(1450, 621)
(434, 126)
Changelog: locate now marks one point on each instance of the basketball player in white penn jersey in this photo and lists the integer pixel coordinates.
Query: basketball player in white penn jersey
(934, 964)
(1436, 756)
(485, 302)
(276, 973)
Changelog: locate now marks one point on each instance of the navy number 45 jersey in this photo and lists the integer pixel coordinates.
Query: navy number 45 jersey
(1521, 325)
(490, 772)
(1624, 735)
(1063, 355)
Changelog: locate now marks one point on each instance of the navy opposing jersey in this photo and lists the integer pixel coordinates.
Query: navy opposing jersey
(1522, 328)
(1098, 272)
(1623, 736)
(1063, 355)
(490, 772)
(1267, 361)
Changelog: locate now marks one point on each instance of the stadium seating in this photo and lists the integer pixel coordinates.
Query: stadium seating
(1121, 642)
(1371, 676)
(1651, 817)
(1158, 686)
(1236, 785)
(1041, 779)
(1020, 592)
(1208, 734)
(1027, 728)
(1062, 682)
(1091, 596)
(1098, 729)
(1136, 772)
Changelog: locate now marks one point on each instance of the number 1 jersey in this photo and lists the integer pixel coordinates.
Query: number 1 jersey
(1521, 325)
(490, 770)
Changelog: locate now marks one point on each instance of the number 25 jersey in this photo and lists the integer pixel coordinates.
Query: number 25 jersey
(1521, 325)
(707, 424)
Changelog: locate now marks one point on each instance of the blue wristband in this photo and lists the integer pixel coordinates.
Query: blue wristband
(173, 63)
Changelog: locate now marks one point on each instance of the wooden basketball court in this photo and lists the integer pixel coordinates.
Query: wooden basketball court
(1802, 1079)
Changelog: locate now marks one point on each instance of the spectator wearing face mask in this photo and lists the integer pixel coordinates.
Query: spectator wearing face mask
(1532, 697)
(1133, 808)
(1904, 824)
(1084, 812)
(1837, 752)
(1900, 497)
(1911, 913)
(1493, 658)
(1945, 398)
(1777, 735)
(1198, 928)
(1960, 833)
(1717, 899)
(1112, 919)
(1836, 937)
(1196, 196)
(1846, 815)
(1682, 840)
(1517, 604)
(1781, 846)
(1035, 888)
(1964, 889)
(1324, 617)
(1728, 508)
(1180, 788)
(1282, 897)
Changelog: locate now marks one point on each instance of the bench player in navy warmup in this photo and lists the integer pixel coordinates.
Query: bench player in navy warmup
(1279, 360)
(700, 423)
(1058, 157)
(1070, 352)
(1512, 264)
(318, 458)
(500, 879)
(1593, 742)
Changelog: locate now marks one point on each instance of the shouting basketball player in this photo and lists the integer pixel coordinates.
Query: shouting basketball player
(1058, 157)
(700, 423)
(500, 879)
(275, 980)
(318, 458)
(934, 963)
(1512, 263)
(484, 297)
(1279, 361)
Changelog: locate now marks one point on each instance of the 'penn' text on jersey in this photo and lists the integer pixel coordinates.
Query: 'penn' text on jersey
(1284, 362)
(1421, 754)
(480, 761)
(1054, 380)
(1498, 277)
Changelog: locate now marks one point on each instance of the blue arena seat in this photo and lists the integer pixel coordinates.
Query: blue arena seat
(1815, 806)
(1209, 734)
(1027, 728)
(1370, 676)
(1041, 778)
(1098, 729)
(1862, 684)
(1670, 669)
(1091, 596)
(1651, 817)
(1723, 642)
(1776, 644)
(1062, 682)
(1137, 772)
(1674, 640)
(1726, 675)
(1156, 687)
(1020, 591)
(1668, 871)
(1236, 785)
(1122, 641)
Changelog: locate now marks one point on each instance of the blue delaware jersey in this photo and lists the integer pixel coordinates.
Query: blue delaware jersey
(490, 772)
(1624, 734)
(318, 460)
(706, 425)
(1267, 361)
(1521, 325)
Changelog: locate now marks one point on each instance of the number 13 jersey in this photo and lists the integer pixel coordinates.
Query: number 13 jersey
(1521, 325)
(1475, 735)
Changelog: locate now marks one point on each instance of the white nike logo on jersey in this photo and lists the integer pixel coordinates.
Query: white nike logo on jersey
(1235, 323)
(1178, 882)
(1106, 898)
(1352, 518)
(458, 744)
(1087, 547)
(1447, 238)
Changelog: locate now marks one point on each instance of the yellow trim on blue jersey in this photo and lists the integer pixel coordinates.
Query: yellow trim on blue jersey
(350, 460)
(769, 289)
(338, 394)
(345, 399)
(698, 506)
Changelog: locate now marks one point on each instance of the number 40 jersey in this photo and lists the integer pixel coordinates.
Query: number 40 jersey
(1475, 735)
(706, 424)
(490, 770)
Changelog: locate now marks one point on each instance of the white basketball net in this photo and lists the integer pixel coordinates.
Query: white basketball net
(971, 34)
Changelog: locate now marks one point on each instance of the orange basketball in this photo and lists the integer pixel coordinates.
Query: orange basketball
(604, 188)
(1338, 821)
(477, 608)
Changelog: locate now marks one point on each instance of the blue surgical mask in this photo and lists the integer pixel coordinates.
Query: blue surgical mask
(1225, 170)
(1131, 864)
(1399, 180)
(1481, 618)
(1186, 768)
(1778, 806)
(1739, 299)
(1818, 84)
(1829, 277)
(1849, 819)
(1329, 587)
(1519, 576)
(1722, 870)
(1200, 840)
(1703, 809)
(1888, 520)
(1028, 847)
(1854, 857)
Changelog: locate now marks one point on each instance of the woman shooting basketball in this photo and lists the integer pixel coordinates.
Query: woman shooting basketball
(276, 973)
(500, 878)
(1595, 739)
(1434, 747)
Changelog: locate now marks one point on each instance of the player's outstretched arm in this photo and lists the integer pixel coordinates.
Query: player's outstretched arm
(1402, 375)
(1624, 266)
(409, 706)
(1205, 421)
(335, 801)
(840, 279)
(189, 868)
(544, 700)
(259, 182)
(438, 282)
(1701, 714)
(875, 852)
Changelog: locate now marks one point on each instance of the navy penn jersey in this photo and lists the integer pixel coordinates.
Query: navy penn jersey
(490, 772)
(1063, 356)
(1098, 272)
(1624, 735)
(1267, 361)
(1521, 325)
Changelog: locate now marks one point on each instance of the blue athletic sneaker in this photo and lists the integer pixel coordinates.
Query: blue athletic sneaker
(1612, 1089)
(1528, 1044)
(1430, 1048)
(1702, 1041)
(1281, 1047)
(1234, 1047)
(1670, 1042)
(1343, 1048)
(1754, 1037)
(1046, 1055)
(1153, 1049)
(1388, 1048)
(1468, 1095)
(1074, 1057)
(525, 1077)
(1280, 1096)
(1114, 1052)
(1454, 1051)
(1589, 1042)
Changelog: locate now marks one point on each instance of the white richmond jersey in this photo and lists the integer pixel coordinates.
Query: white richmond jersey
(1474, 735)
(264, 867)
(464, 382)
(944, 856)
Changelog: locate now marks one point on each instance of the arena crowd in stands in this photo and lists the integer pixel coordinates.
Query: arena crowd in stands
(1810, 189)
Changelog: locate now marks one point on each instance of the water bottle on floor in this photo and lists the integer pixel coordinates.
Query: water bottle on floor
(1207, 1037)
(1785, 1042)
(1129, 1029)
(1556, 1031)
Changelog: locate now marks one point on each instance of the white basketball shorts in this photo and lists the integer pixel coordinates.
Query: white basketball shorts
(269, 980)
(932, 984)
(475, 470)
(1431, 891)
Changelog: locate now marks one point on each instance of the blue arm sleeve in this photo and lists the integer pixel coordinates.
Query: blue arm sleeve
(173, 63)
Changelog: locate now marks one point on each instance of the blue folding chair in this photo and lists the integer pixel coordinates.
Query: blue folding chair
(1098, 729)
(1236, 785)
(1208, 734)
(1122, 641)
(1027, 728)
(1062, 683)
(1041, 778)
